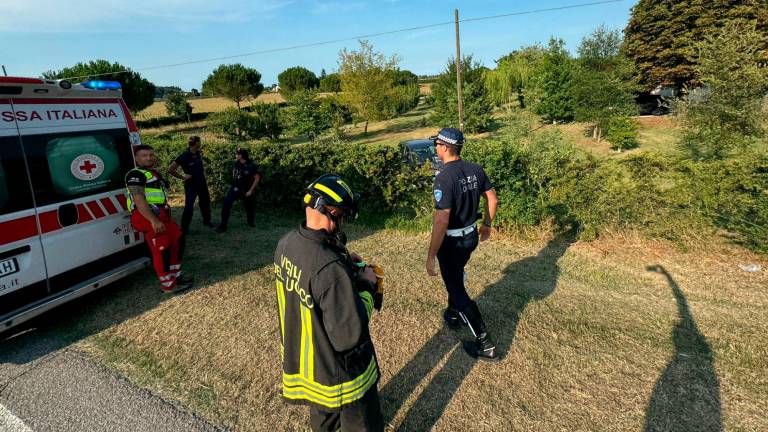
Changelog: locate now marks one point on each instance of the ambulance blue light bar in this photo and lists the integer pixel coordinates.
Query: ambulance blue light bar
(102, 85)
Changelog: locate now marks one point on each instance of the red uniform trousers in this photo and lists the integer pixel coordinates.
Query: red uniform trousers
(164, 247)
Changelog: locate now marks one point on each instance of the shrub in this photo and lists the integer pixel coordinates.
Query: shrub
(622, 133)
(268, 119)
(177, 106)
(235, 124)
(305, 116)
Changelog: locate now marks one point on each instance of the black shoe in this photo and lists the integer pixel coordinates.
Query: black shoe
(221, 229)
(482, 349)
(209, 224)
(452, 319)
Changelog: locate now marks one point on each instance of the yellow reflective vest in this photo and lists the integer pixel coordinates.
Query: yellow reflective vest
(154, 190)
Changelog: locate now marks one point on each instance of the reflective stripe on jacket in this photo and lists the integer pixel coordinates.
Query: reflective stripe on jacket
(328, 357)
(154, 191)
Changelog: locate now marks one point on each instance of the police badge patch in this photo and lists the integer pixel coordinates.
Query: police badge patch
(438, 194)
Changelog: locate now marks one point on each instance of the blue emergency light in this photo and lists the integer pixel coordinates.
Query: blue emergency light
(102, 85)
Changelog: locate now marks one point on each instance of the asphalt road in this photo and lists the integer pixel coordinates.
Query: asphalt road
(48, 387)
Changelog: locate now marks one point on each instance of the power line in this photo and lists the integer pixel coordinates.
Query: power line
(364, 36)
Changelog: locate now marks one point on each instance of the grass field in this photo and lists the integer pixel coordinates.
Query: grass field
(203, 105)
(618, 334)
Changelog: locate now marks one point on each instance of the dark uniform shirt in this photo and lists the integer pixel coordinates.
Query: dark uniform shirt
(243, 175)
(458, 187)
(192, 164)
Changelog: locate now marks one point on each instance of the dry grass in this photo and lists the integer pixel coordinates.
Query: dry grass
(592, 339)
(658, 134)
(203, 105)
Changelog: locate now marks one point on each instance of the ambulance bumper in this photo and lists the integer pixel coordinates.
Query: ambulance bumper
(22, 315)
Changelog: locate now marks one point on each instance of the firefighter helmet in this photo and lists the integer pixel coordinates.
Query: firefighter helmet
(331, 190)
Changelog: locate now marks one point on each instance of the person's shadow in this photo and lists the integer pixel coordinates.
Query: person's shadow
(502, 304)
(687, 395)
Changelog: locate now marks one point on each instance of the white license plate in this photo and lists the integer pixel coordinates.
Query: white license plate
(8, 266)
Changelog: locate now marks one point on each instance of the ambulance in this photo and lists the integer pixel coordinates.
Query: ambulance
(64, 226)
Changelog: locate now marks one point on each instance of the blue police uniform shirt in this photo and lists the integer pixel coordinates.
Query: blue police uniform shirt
(458, 187)
(243, 175)
(192, 164)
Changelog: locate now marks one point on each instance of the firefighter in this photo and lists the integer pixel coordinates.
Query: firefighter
(195, 184)
(457, 191)
(325, 301)
(151, 216)
(245, 179)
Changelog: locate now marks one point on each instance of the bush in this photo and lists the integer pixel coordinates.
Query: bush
(177, 106)
(622, 133)
(330, 83)
(235, 124)
(337, 113)
(305, 116)
(405, 97)
(268, 119)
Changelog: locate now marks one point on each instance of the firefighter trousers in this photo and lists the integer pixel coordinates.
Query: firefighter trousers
(165, 247)
(362, 415)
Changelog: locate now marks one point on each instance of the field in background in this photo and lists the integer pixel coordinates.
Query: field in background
(594, 337)
(203, 105)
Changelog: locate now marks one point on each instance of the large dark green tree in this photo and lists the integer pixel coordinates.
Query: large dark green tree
(297, 78)
(235, 82)
(662, 34)
(138, 92)
(550, 83)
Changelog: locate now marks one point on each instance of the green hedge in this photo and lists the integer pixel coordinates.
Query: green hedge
(538, 177)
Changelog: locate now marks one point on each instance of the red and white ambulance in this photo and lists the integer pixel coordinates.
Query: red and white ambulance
(64, 226)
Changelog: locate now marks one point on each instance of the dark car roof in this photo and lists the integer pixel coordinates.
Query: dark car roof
(417, 143)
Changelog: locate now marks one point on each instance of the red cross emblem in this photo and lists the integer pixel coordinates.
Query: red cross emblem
(87, 167)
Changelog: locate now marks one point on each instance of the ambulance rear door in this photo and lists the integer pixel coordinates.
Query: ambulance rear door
(22, 262)
(78, 151)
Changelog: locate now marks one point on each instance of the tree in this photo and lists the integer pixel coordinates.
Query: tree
(177, 106)
(366, 83)
(661, 35)
(162, 91)
(297, 78)
(727, 113)
(550, 83)
(511, 77)
(602, 88)
(235, 82)
(138, 93)
(194, 93)
(268, 117)
(322, 73)
(476, 107)
(401, 77)
(305, 114)
(331, 83)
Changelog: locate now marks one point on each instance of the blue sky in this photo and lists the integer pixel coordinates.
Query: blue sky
(50, 34)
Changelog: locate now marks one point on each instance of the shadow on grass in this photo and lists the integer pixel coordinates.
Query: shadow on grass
(502, 304)
(210, 258)
(687, 395)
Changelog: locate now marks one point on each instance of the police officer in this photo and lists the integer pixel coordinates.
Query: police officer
(195, 185)
(457, 191)
(245, 179)
(151, 216)
(324, 303)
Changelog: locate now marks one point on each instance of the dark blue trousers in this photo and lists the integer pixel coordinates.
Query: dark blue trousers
(232, 196)
(192, 191)
(453, 255)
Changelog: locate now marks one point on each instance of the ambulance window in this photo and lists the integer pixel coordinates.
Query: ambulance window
(65, 166)
(14, 182)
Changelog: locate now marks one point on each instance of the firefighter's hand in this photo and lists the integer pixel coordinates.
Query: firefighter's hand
(157, 226)
(485, 232)
(248, 194)
(368, 275)
(431, 266)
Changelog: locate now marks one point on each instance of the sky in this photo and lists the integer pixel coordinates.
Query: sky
(142, 34)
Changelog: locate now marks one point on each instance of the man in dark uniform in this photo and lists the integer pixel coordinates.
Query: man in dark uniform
(457, 191)
(245, 178)
(195, 185)
(325, 298)
(151, 216)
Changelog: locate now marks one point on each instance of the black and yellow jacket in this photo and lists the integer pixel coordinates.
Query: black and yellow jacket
(328, 356)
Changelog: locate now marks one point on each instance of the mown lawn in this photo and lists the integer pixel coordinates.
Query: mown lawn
(622, 333)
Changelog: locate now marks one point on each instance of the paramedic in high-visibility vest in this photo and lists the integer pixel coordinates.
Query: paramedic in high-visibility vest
(151, 216)
(325, 299)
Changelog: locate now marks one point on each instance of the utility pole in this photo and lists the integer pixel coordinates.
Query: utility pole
(458, 71)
